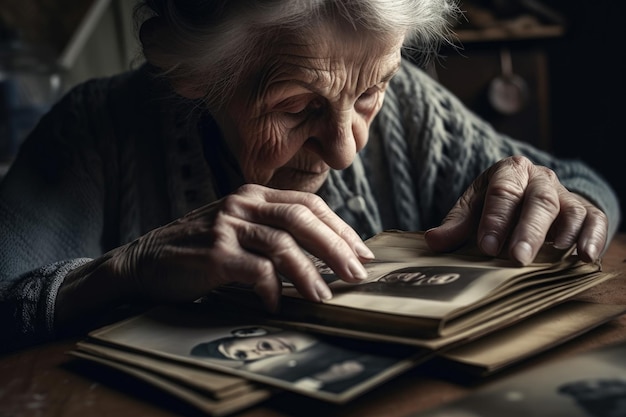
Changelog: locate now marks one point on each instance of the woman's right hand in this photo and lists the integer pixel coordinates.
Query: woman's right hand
(251, 237)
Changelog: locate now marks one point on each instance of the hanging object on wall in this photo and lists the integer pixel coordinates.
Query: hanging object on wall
(508, 92)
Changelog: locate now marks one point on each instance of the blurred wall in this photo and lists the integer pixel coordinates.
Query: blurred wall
(589, 90)
(110, 47)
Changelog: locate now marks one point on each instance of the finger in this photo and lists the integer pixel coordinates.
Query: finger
(308, 229)
(592, 238)
(286, 258)
(257, 271)
(570, 220)
(540, 207)
(459, 223)
(580, 223)
(506, 185)
(319, 239)
(318, 208)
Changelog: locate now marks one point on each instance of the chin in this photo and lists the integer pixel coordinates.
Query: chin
(298, 181)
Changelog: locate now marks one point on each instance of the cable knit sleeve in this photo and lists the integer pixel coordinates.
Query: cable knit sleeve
(444, 147)
(51, 216)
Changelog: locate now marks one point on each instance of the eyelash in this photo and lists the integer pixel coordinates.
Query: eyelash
(314, 106)
(367, 100)
(310, 108)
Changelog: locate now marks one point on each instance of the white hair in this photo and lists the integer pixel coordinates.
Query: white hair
(216, 42)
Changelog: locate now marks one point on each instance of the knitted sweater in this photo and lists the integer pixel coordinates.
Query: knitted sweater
(117, 157)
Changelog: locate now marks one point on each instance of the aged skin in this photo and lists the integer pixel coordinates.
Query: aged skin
(310, 110)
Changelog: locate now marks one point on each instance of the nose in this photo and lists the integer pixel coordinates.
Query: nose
(336, 141)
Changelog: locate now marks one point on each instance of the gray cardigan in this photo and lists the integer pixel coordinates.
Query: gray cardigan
(120, 156)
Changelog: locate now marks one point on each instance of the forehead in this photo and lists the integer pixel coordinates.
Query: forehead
(324, 51)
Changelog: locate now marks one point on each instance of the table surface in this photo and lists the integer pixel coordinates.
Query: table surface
(45, 381)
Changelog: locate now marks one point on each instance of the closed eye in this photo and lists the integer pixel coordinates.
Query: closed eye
(368, 99)
(369, 94)
(298, 105)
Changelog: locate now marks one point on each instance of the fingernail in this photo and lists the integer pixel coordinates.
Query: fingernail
(357, 270)
(364, 252)
(592, 251)
(322, 290)
(523, 253)
(490, 245)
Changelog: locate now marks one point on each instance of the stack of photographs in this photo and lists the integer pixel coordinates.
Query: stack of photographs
(226, 365)
(462, 310)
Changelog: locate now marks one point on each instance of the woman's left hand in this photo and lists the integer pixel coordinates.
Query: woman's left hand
(516, 206)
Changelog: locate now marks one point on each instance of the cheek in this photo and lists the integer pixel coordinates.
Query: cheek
(266, 145)
(360, 130)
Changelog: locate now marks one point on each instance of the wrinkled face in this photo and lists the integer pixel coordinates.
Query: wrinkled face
(310, 107)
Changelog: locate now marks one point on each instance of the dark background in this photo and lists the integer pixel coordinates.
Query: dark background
(587, 83)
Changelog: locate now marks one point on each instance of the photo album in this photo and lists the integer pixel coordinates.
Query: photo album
(471, 312)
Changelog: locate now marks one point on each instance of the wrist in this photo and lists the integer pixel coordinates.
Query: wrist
(90, 291)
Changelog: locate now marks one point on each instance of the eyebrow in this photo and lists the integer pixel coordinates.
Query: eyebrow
(307, 86)
(388, 76)
(391, 73)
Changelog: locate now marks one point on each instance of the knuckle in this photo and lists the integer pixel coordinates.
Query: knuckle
(508, 191)
(346, 232)
(517, 162)
(520, 161)
(546, 199)
(595, 211)
(465, 201)
(248, 189)
(547, 172)
(535, 232)
(298, 214)
(232, 203)
(263, 270)
(282, 240)
(280, 244)
(599, 219)
(315, 202)
(575, 211)
(516, 159)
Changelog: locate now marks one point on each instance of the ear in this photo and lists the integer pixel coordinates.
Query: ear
(150, 34)
(155, 36)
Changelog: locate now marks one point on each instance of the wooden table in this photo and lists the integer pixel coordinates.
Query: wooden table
(44, 381)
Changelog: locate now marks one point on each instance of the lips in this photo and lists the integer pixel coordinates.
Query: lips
(314, 170)
(309, 179)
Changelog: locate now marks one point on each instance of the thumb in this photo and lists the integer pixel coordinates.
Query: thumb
(458, 226)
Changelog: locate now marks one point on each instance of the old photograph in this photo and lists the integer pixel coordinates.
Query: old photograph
(319, 366)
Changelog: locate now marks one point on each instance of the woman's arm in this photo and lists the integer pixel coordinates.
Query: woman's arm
(51, 219)
(252, 236)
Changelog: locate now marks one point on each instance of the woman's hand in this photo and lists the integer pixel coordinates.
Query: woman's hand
(251, 236)
(515, 206)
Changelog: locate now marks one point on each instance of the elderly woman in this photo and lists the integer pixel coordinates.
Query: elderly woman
(257, 131)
